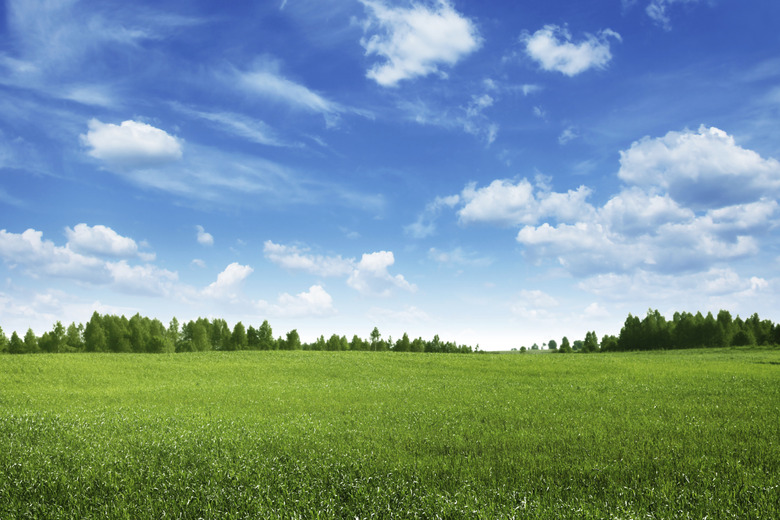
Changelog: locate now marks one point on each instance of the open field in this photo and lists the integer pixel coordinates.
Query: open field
(682, 434)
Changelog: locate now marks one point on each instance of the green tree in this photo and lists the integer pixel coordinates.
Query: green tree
(238, 339)
(174, 332)
(357, 343)
(16, 345)
(375, 336)
(75, 338)
(94, 335)
(293, 341)
(552, 345)
(252, 338)
(334, 343)
(591, 342)
(403, 344)
(3, 341)
(30, 342)
(565, 346)
(266, 337)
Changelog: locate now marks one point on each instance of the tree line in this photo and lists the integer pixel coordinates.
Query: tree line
(111, 333)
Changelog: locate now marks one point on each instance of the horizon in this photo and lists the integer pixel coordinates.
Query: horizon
(498, 175)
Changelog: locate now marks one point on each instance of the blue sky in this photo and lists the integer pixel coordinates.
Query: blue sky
(498, 173)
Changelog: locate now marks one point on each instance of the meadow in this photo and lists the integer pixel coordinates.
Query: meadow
(275, 434)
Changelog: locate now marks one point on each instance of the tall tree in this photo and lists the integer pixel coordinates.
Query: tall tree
(3, 341)
(30, 342)
(16, 345)
(94, 335)
(238, 339)
(293, 341)
(266, 337)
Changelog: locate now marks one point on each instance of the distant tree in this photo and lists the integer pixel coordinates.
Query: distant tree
(252, 338)
(320, 343)
(357, 343)
(609, 343)
(534, 347)
(3, 341)
(266, 337)
(418, 345)
(552, 345)
(522, 350)
(238, 339)
(16, 345)
(591, 342)
(200, 335)
(174, 332)
(30, 342)
(565, 346)
(333, 343)
(375, 336)
(403, 344)
(293, 341)
(75, 338)
(220, 334)
(94, 335)
(140, 333)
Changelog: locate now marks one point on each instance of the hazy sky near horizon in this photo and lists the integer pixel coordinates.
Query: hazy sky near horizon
(498, 173)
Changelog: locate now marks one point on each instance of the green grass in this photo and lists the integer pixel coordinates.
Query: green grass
(685, 434)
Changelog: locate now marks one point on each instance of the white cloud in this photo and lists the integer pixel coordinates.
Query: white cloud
(425, 225)
(704, 169)
(368, 276)
(552, 48)
(146, 279)
(204, 238)
(236, 124)
(228, 283)
(315, 302)
(292, 257)
(416, 41)
(100, 240)
(657, 10)
(535, 305)
(568, 134)
(43, 257)
(457, 257)
(131, 144)
(508, 203)
(267, 81)
(371, 277)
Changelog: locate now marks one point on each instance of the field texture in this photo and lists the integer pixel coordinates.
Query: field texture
(685, 434)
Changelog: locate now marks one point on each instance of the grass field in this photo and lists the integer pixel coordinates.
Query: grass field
(682, 434)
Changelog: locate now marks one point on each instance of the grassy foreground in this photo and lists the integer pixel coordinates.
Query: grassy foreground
(683, 434)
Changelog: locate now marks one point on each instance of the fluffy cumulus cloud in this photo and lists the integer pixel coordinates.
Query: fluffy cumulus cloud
(416, 41)
(100, 240)
(702, 169)
(148, 280)
(695, 199)
(312, 303)
(509, 203)
(369, 276)
(43, 257)
(552, 48)
(692, 201)
(77, 260)
(229, 282)
(131, 144)
(204, 238)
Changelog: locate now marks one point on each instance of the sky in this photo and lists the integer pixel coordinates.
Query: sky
(497, 173)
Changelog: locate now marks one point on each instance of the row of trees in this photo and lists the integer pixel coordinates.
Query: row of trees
(110, 333)
(684, 330)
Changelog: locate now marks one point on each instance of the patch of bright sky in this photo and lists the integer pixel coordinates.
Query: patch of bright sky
(496, 173)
